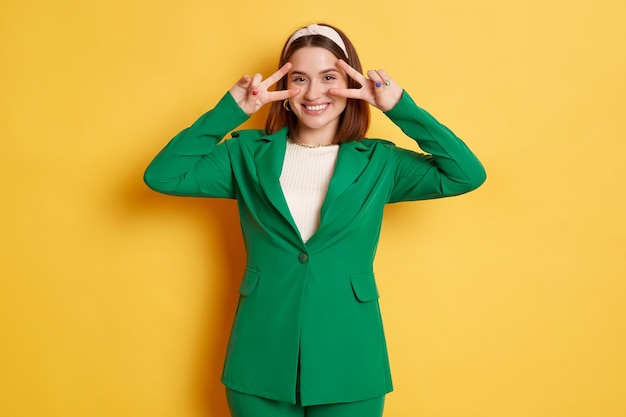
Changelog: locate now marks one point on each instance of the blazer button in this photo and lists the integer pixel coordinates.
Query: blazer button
(303, 258)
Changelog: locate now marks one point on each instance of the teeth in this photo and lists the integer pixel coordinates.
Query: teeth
(317, 107)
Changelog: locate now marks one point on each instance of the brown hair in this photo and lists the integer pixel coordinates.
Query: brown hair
(354, 120)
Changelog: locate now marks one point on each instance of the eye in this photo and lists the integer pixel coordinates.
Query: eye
(298, 80)
(330, 78)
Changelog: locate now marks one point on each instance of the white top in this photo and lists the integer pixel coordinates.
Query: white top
(304, 179)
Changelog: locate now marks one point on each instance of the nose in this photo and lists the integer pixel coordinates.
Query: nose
(313, 92)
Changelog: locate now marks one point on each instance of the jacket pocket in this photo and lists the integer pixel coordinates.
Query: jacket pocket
(364, 287)
(248, 283)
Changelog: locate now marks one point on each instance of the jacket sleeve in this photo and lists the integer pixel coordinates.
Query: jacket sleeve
(448, 169)
(194, 163)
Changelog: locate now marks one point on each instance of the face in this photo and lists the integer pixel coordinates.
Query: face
(314, 71)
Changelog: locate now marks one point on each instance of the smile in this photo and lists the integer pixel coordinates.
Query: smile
(317, 107)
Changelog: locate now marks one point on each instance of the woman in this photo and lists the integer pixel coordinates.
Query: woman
(307, 338)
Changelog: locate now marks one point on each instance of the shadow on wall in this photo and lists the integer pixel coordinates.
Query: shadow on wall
(218, 221)
(222, 299)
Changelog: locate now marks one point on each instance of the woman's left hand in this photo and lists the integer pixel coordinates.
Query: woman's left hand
(379, 89)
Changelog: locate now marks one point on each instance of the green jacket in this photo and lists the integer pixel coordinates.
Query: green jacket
(316, 302)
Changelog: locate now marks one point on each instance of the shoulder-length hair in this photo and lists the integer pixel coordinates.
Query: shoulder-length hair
(355, 118)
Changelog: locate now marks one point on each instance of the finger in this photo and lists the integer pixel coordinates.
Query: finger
(376, 78)
(254, 84)
(275, 77)
(283, 94)
(385, 77)
(352, 73)
(346, 92)
(243, 81)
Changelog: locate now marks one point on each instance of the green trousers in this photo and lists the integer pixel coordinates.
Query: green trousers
(244, 405)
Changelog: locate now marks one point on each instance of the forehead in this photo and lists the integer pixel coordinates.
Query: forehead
(312, 58)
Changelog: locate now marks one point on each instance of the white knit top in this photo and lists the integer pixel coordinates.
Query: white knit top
(304, 179)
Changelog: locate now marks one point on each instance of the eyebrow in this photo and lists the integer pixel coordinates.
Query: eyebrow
(326, 71)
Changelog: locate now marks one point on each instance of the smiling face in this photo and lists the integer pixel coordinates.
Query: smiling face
(314, 71)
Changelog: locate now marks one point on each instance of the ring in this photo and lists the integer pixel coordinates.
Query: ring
(255, 92)
(387, 83)
(378, 84)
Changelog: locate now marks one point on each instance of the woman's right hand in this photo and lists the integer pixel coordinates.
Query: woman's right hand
(252, 93)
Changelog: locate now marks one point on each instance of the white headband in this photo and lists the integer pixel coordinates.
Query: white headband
(325, 31)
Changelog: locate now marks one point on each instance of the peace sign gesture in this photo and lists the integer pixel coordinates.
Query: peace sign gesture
(379, 90)
(252, 93)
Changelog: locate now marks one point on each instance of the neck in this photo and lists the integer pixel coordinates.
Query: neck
(315, 137)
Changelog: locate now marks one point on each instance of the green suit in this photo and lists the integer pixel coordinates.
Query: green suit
(311, 306)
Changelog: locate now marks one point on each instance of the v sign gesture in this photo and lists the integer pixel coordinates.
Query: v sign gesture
(252, 93)
(379, 90)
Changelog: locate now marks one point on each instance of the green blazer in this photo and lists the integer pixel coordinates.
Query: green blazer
(311, 306)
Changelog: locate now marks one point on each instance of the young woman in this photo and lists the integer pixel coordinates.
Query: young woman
(307, 338)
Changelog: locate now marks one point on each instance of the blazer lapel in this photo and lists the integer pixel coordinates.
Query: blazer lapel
(269, 160)
(350, 164)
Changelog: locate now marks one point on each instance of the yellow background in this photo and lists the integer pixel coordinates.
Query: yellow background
(506, 302)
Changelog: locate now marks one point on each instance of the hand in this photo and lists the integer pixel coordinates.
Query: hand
(251, 93)
(379, 90)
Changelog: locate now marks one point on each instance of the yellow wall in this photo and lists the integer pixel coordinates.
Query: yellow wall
(506, 302)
